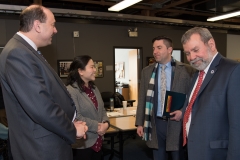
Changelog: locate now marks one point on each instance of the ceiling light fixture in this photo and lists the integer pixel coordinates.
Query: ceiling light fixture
(224, 16)
(123, 4)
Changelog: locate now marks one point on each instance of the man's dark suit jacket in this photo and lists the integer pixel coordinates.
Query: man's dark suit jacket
(214, 132)
(3, 116)
(39, 108)
(1, 99)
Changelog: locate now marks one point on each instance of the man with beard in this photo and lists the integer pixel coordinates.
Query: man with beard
(162, 134)
(211, 125)
(39, 108)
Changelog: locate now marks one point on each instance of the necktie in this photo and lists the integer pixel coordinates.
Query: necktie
(189, 107)
(163, 86)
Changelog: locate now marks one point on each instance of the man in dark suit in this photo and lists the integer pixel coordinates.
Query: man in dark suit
(212, 109)
(39, 108)
(165, 133)
(3, 116)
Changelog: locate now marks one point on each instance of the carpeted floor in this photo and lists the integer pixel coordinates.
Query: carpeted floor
(134, 149)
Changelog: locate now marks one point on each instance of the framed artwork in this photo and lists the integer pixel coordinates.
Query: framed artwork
(63, 68)
(119, 70)
(99, 69)
(150, 60)
(176, 54)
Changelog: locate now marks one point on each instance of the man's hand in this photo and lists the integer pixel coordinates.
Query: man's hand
(177, 115)
(81, 129)
(140, 131)
(102, 128)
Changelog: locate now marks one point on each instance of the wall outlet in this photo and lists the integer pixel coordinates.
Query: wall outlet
(75, 33)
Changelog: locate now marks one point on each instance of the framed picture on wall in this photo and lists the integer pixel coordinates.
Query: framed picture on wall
(150, 60)
(99, 69)
(63, 68)
(176, 54)
(120, 70)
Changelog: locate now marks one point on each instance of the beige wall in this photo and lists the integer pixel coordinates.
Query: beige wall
(233, 46)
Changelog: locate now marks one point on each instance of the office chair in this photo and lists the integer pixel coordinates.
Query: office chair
(106, 98)
(119, 98)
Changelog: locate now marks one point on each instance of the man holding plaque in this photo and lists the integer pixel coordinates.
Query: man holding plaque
(211, 125)
(162, 133)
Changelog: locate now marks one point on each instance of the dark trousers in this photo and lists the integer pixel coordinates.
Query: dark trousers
(10, 157)
(161, 153)
(185, 152)
(86, 154)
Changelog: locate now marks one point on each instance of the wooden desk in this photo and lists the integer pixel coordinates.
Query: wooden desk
(111, 130)
(125, 125)
(120, 112)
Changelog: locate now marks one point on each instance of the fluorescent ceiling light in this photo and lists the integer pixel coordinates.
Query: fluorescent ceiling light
(123, 4)
(225, 16)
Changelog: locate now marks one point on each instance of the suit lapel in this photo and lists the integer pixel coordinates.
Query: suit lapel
(211, 71)
(191, 88)
(86, 96)
(149, 72)
(19, 38)
(176, 70)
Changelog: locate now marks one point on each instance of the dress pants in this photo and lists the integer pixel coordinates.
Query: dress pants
(161, 153)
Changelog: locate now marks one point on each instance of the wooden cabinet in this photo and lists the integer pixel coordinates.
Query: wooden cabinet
(123, 91)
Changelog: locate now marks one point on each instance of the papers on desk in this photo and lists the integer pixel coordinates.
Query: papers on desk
(114, 114)
(120, 112)
(133, 112)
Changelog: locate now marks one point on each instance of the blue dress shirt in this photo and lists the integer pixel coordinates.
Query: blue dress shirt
(168, 72)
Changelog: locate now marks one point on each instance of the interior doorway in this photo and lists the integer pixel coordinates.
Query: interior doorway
(128, 65)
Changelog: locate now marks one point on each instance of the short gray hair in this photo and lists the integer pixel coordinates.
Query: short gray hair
(203, 32)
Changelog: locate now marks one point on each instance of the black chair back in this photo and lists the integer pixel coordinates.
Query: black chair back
(106, 98)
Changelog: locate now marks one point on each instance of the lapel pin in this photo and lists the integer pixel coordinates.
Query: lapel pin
(212, 71)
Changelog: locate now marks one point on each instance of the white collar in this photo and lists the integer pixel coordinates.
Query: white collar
(29, 41)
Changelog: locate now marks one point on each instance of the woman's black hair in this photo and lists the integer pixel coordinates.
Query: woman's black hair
(79, 62)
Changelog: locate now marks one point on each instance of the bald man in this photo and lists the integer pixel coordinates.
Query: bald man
(40, 110)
